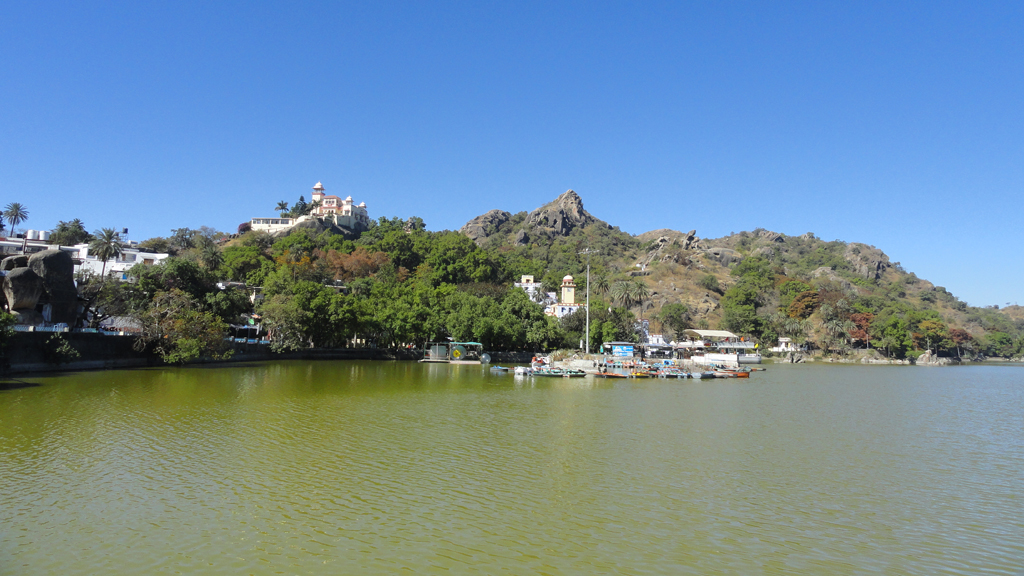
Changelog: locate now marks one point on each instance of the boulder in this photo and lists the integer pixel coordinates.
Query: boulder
(22, 287)
(794, 357)
(931, 359)
(724, 256)
(690, 240)
(479, 228)
(57, 271)
(522, 238)
(12, 262)
(27, 317)
(771, 236)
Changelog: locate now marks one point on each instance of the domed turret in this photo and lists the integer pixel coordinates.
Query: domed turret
(568, 290)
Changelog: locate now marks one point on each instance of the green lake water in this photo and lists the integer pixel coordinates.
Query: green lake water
(396, 467)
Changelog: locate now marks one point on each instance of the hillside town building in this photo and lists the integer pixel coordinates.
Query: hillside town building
(329, 208)
(536, 290)
(89, 263)
(552, 307)
(343, 211)
(85, 261)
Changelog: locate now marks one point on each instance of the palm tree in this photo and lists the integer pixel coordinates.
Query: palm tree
(211, 256)
(16, 214)
(282, 207)
(600, 282)
(105, 246)
(640, 293)
(622, 294)
(311, 207)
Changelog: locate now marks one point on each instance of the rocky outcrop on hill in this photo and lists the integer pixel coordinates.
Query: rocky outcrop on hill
(771, 236)
(867, 261)
(557, 218)
(691, 240)
(479, 228)
(57, 271)
(826, 272)
(560, 217)
(724, 256)
(685, 240)
(315, 226)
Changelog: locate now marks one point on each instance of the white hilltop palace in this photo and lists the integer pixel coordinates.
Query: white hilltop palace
(552, 307)
(329, 208)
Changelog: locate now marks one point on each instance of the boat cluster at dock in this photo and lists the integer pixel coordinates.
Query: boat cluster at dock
(541, 367)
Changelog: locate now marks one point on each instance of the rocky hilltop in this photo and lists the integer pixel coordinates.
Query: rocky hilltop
(558, 218)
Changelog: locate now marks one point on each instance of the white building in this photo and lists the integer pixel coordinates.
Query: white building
(117, 267)
(568, 304)
(536, 290)
(717, 347)
(84, 261)
(13, 246)
(341, 211)
(787, 345)
(273, 224)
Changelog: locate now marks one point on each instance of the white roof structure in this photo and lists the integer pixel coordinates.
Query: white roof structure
(319, 187)
(709, 334)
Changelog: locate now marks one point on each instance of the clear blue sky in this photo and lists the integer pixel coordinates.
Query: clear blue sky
(897, 124)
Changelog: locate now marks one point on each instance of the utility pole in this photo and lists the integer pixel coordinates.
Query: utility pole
(588, 252)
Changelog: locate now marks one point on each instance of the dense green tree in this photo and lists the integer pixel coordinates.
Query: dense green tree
(676, 316)
(174, 273)
(239, 261)
(1001, 344)
(739, 310)
(180, 330)
(182, 239)
(892, 335)
(933, 335)
(69, 233)
(157, 244)
(709, 282)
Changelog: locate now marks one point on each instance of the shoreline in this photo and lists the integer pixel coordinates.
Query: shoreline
(116, 353)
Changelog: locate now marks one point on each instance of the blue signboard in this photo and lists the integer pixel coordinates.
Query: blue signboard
(626, 351)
